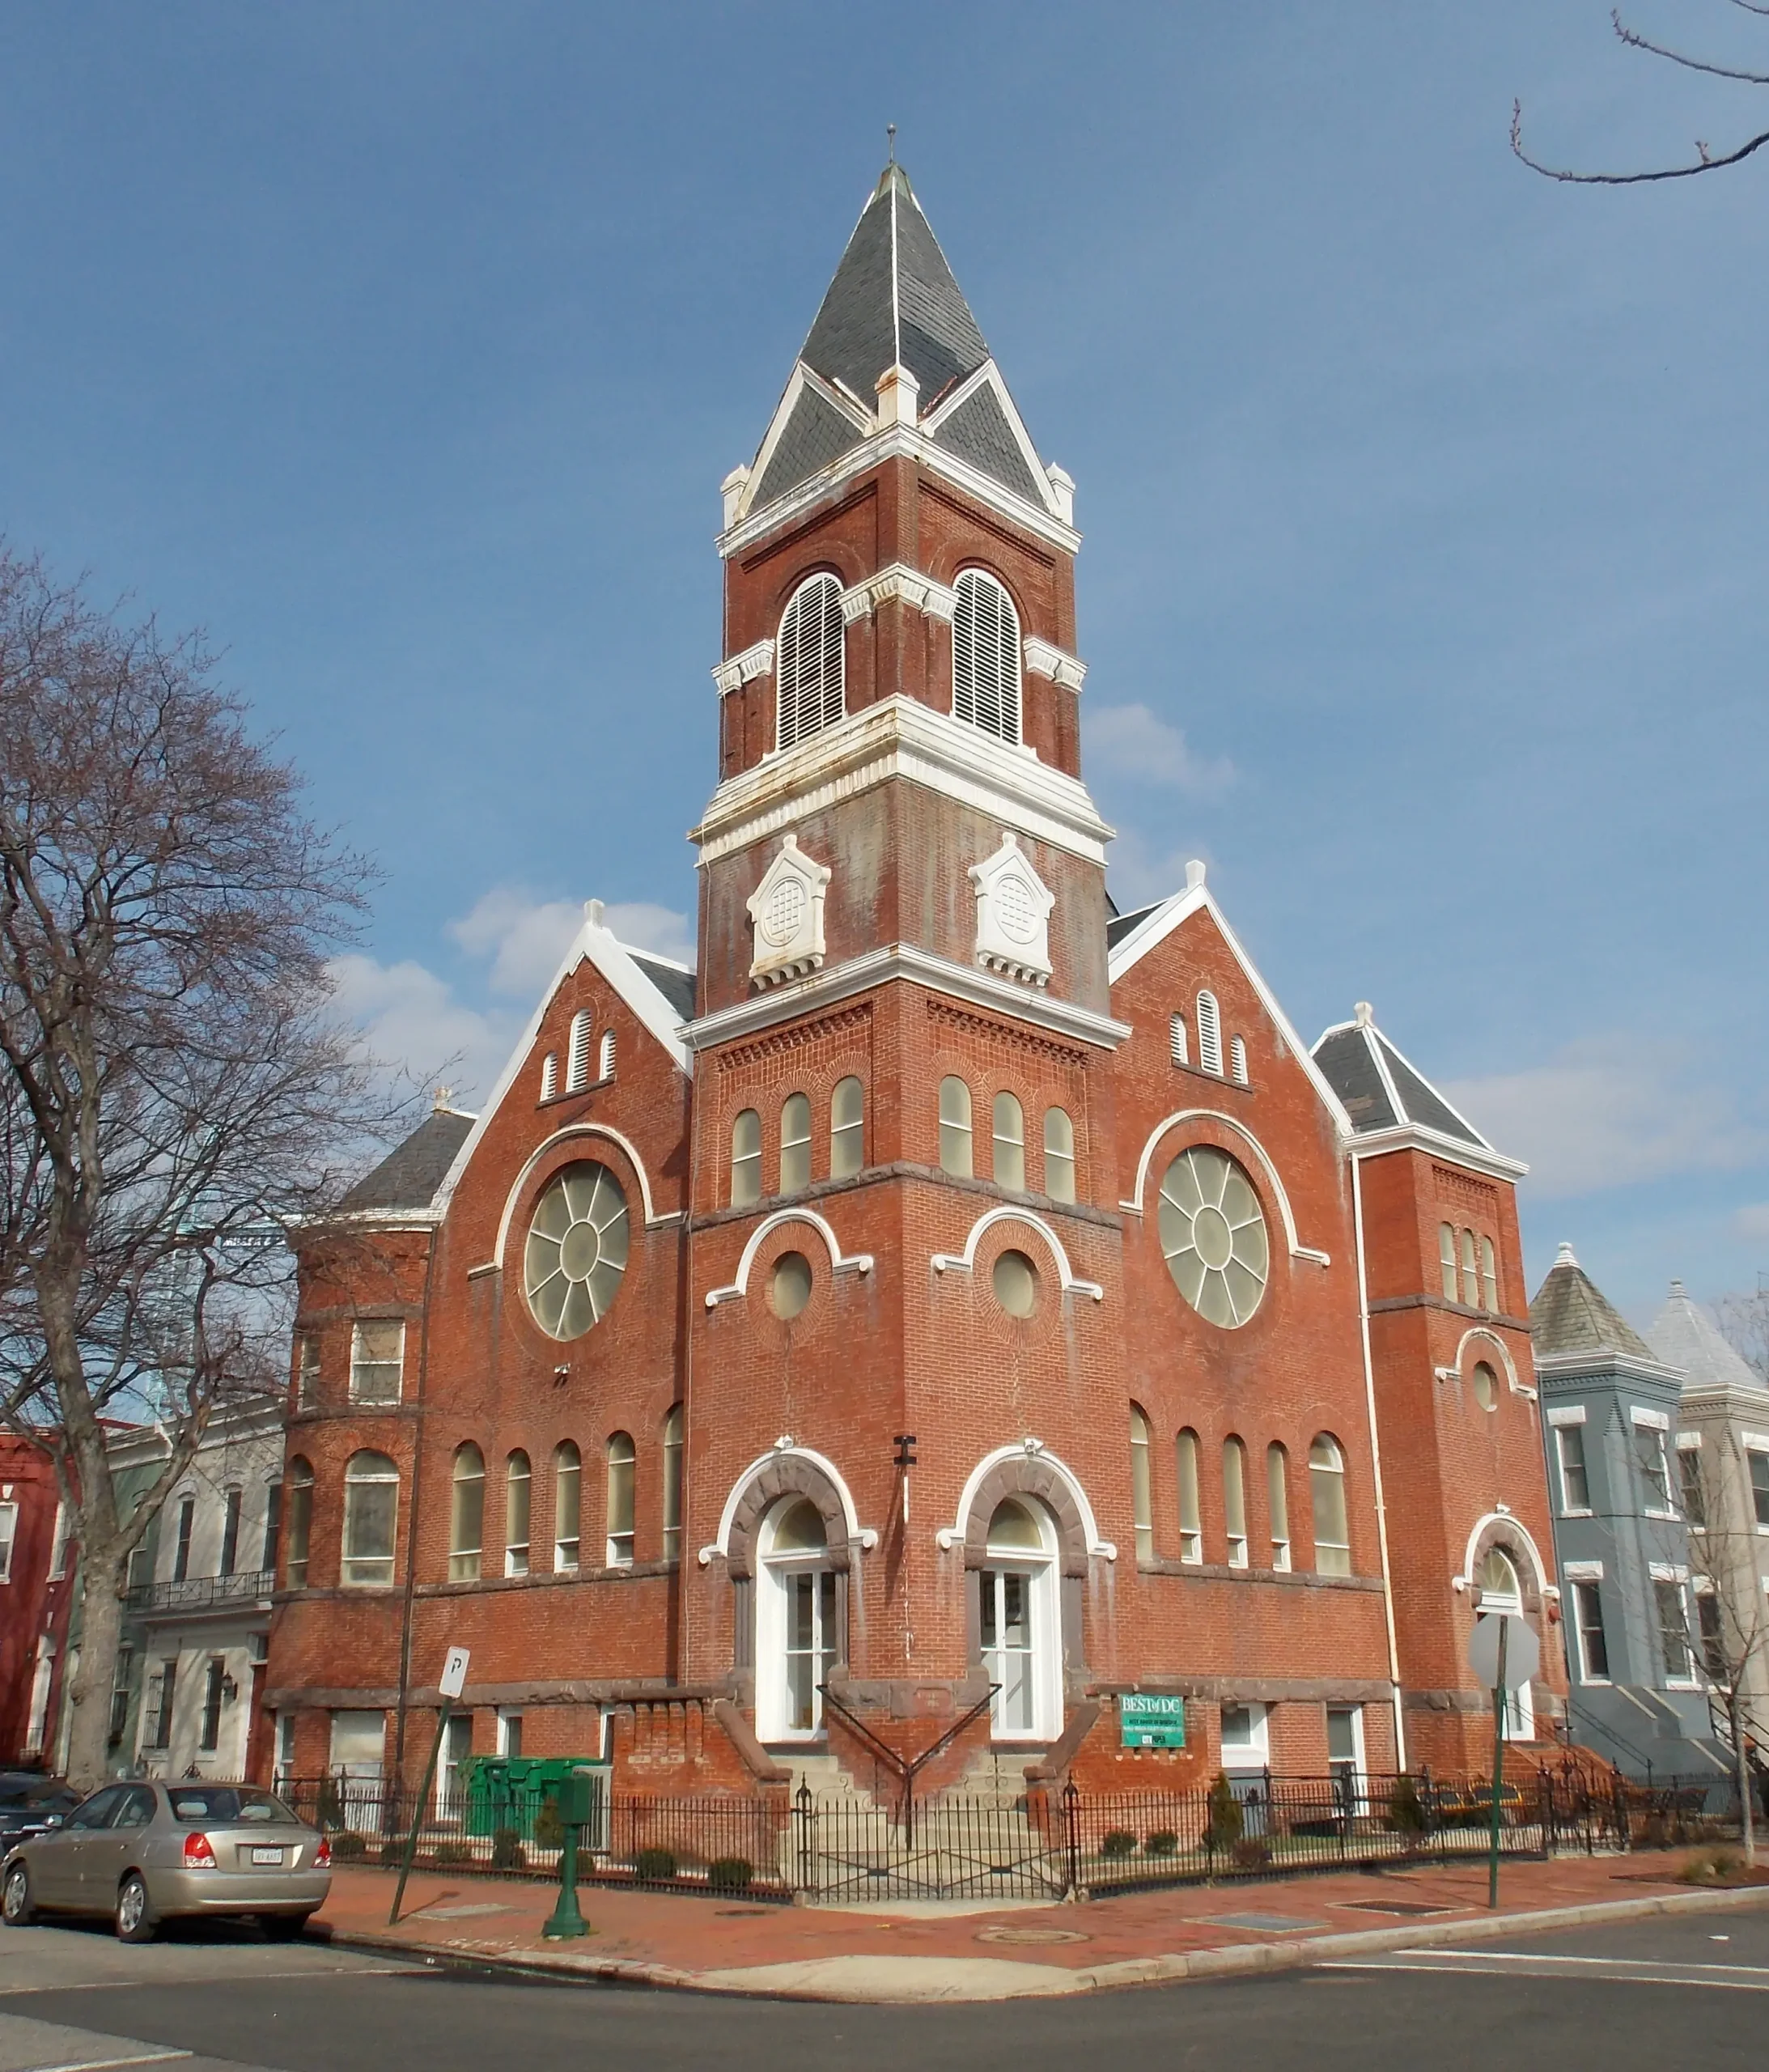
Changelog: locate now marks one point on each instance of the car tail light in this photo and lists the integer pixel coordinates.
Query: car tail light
(322, 1856)
(198, 1853)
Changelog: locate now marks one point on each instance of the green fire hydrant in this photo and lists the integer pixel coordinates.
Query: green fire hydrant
(565, 1922)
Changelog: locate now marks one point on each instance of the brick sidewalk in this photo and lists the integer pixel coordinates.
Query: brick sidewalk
(931, 1949)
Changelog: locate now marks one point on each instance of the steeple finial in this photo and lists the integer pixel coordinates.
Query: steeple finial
(1564, 1257)
(890, 140)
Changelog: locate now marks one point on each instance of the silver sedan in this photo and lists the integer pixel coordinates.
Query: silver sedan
(144, 1852)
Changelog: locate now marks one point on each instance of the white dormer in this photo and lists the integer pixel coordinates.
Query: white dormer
(1013, 915)
(786, 911)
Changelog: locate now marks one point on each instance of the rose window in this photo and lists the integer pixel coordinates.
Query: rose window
(576, 1250)
(1213, 1236)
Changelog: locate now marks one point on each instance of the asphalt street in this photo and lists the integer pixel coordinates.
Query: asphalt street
(1688, 1990)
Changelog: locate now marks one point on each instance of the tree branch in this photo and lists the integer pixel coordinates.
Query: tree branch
(1635, 41)
(1707, 161)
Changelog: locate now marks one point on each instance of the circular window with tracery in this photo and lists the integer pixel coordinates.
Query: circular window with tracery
(784, 913)
(576, 1250)
(1013, 910)
(1213, 1236)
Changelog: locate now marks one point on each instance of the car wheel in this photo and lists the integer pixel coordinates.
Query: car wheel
(283, 1927)
(17, 1908)
(135, 1922)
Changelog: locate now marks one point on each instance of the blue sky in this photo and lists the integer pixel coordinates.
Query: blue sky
(405, 346)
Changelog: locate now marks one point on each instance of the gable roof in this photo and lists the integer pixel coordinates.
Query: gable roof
(1381, 1091)
(1683, 1335)
(1570, 1318)
(674, 981)
(409, 1175)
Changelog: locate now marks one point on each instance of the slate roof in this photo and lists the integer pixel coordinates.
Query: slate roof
(1379, 1089)
(1571, 1316)
(1683, 1335)
(677, 986)
(409, 1175)
(1120, 924)
(816, 433)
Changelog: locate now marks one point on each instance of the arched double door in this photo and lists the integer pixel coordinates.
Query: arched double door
(1018, 1621)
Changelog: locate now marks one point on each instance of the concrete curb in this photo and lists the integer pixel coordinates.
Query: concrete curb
(1238, 1961)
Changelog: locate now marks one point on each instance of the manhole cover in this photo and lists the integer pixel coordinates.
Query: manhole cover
(461, 1913)
(1024, 1936)
(740, 1914)
(1393, 1906)
(1267, 1924)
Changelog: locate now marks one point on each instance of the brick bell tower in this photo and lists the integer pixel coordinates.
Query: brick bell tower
(902, 1182)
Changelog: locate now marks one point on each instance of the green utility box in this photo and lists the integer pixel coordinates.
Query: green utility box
(509, 1794)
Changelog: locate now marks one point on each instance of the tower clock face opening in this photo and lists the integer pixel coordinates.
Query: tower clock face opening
(576, 1251)
(1213, 1236)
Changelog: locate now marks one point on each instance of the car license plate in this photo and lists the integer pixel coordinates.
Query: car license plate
(267, 1855)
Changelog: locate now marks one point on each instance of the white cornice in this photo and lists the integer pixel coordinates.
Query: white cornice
(754, 662)
(1447, 1150)
(1044, 658)
(900, 738)
(920, 592)
(921, 968)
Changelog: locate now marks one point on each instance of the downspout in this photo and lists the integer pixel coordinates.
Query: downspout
(411, 1525)
(1376, 1460)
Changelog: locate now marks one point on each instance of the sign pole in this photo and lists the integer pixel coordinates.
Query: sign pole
(418, 1813)
(1498, 1761)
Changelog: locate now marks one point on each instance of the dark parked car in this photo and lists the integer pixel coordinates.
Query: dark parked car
(143, 1852)
(27, 1801)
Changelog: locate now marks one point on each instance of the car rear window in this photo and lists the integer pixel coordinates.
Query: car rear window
(194, 1806)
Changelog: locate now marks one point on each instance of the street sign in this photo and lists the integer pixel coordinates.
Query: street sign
(454, 1675)
(1523, 1650)
(1146, 1722)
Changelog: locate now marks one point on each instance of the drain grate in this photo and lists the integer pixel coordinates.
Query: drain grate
(1267, 1924)
(1393, 1906)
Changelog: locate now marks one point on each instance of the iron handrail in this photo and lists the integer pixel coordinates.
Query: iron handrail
(905, 1769)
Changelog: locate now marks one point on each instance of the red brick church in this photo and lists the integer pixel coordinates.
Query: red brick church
(958, 1304)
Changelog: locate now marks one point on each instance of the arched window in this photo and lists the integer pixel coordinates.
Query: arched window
(1486, 1383)
(298, 1530)
(550, 1076)
(847, 1128)
(370, 1516)
(518, 1487)
(577, 1054)
(1500, 1590)
(746, 1159)
(567, 1507)
(955, 1127)
(986, 657)
(1178, 1047)
(1327, 1497)
(1278, 1503)
(1142, 1504)
(673, 1484)
(1191, 1527)
(1237, 1059)
(1009, 1150)
(1489, 1273)
(605, 1063)
(1209, 1033)
(1234, 1499)
(1470, 1274)
(467, 1514)
(1058, 1155)
(797, 1643)
(1019, 1622)
(1446, 1258)
(810, 661)
(794, 1144)
(620, 1502)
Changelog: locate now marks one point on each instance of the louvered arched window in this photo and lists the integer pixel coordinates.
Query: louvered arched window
(1209, 1033)
(577, 1055)
(809, 662)
(604, 1061)
(986, 657)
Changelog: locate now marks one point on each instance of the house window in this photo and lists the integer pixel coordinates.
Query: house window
(620, 1502)
(1177, 1048)
(794, 1144)
(1489, 1273)
(306, 1370)
(1018, 1622)
(673, 1484)
(467, 1514)
(1246, 1739)
(285, 1757)
(211, 1704)
(359, 1748)
(577, 1053)
(1485, 1386)
(955, 1127)
(187, 1519)
(233, 1502)
(1470, 1272)
(1575, 1484)
(1759, 1487)
(509, 1732)
(9, 1535)
(273, 1528)
(1237, 1059)
(809, 662)
(1278, 1503)
(162, 1717)
(377, 1356)
(1689, 1484)
(567, 1507)
(456, 1746)
(1058, 1155)
(1446, 1257)
(1655, 1471)
(518, 1489)
(986, 657)
(576, 1250)
(1588, 1620)
(1344, 1750)
(1234, 1499)
(746, 1159)
(1142, 1507)
(1191, 1530)
(847, 1128)
(1209, 1033)
(1326, 1495)
(1673, 1631)
(371, 1513)
(1009, 1161)
(58, 1543)
(550, 1076)
(796, 1641)
(1709, 1625)
(604, 1062)
(300, 1488)
(120, 1682)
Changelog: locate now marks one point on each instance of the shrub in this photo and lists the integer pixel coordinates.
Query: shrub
(729, 1874)
(1228, 1822)
(447, 1853)
(347, 1848)
(1252, 1852)
(655, 1866)
(1163, 1842)
(548, 1828)
(506, 1850)
(1118, 1843)
(1713, 1866)
(328, 1809)
(1405, 1808)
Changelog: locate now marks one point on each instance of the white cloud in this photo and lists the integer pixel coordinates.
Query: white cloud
(1607, 1112)
(1751, 1222)
(1131, 741)
(1142, 871)
(659, 928)
(524, 937)
(414, 1025)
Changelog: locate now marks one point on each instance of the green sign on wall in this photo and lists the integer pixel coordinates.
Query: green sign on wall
(1145, 1722)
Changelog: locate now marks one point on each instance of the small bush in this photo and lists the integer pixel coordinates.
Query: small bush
(655, 1866)
(329, 1810)
(548, 1828)
(506, 1850)
(1116, 1844)
(347, 1848)
(1252, 1852)
(1228, 1822)
(1163, 1842)
(729, 1874)
(1405, 1808)
(1714, 1865)
(447, 1853)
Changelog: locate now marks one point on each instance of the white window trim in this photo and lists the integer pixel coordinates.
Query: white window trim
(1257, 1754)
(1574, 1573)
(9, 1542)
(1666, 1572)
(1582, 1572)
(1655, 1420)
(1571, 1413)
(1689, 1442)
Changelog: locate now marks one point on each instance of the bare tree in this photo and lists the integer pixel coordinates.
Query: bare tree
(176, 1087)
(1744, 1322)
(1705, 160)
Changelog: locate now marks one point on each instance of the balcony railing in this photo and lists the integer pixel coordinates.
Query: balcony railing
(203, 1592)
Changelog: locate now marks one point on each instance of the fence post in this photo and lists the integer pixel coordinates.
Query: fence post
(803, 1819)
(1071, 1801)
